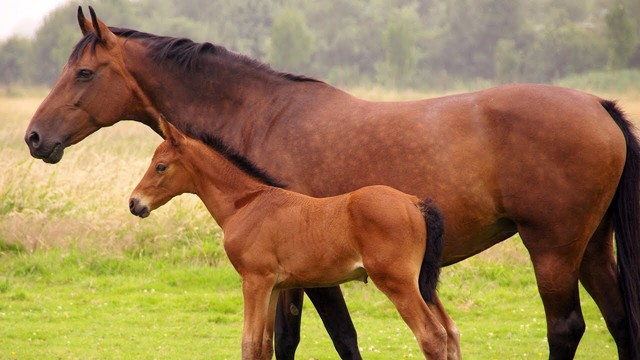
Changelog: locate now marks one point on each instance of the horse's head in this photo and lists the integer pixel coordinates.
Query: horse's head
(168, 175)
(95, 90)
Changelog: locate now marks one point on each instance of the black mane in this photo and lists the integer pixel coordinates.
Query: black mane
(241, 162)
(184, 52)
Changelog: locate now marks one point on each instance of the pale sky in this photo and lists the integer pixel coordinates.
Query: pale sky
(25, 16)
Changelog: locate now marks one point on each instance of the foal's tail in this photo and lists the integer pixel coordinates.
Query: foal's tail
(432, 260)
(625, 208)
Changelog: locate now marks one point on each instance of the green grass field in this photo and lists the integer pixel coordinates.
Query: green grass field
(81, 278)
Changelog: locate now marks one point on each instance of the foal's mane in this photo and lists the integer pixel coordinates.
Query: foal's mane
(245, 165)
(186, 53)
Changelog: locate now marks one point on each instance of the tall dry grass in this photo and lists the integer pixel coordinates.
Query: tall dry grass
(82, 202)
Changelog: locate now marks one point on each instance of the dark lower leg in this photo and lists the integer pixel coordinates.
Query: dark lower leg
(333, 311)
(599, 275)
(558, 287)
(556, 256)
(287, 325)
(564, 334)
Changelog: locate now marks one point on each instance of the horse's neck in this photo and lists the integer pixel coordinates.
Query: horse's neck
(221, 186)
(220, 97)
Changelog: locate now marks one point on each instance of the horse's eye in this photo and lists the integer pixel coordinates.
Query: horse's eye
(84, 74)
(160, 168)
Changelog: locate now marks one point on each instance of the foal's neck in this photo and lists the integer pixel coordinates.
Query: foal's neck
(221, 185)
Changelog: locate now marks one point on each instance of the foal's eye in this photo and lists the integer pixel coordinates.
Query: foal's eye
(160, 168)
(84, 74)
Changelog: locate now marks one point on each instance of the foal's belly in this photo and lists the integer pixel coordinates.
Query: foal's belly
(311, 275)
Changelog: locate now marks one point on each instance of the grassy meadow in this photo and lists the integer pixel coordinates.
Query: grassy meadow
(81, 278)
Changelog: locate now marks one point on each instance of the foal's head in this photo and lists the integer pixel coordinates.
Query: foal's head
(168, 175)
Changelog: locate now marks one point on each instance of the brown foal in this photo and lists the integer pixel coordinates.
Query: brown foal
(278, 239)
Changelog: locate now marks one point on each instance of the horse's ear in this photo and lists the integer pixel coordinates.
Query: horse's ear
(84, 23)
(102, 31)
(170, 132)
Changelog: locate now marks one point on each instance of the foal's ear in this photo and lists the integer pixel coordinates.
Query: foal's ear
(84, 23)
(105, 36)
(171, 133)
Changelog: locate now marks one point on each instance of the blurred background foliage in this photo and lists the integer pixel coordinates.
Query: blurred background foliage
(425, 44)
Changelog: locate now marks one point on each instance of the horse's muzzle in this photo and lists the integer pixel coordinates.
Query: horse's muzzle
(40, 150)
(138, 209)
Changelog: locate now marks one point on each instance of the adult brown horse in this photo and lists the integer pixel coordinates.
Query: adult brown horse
(278, 239)
(556, 165)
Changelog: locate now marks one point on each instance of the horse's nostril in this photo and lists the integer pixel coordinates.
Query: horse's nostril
(132, 205)
(34, 139)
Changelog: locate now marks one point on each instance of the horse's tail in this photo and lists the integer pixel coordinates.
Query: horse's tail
(432, 260)
(625, 209)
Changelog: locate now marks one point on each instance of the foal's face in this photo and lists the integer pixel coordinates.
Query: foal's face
(166, 177)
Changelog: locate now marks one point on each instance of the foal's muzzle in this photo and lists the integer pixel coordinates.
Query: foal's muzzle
(138, 209)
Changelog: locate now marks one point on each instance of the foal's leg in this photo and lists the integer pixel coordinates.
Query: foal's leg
(453, 334)
(405, 295)
(556, 269)
(599, 275)
(256, 291)
(267, 337)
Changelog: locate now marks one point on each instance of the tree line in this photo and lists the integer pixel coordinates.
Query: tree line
(424, 44)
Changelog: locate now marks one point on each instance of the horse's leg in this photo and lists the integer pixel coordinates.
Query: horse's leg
(267, 337)
(556, 269)
(599, 275)
(405, 295)
(333, 311)
(453, 334)
(287, 324)
(256, 291)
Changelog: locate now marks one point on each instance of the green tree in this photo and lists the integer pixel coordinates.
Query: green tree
(348, 37)
(399, 41)
(621, 33)
(471, 31)
(508, 61)
(53, 43)
(360, 41)
(13, 68)
(562, 48)
(292, 43)
(632, 8)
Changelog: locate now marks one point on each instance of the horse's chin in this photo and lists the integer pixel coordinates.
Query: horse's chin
(56, 154)
(143, 213)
